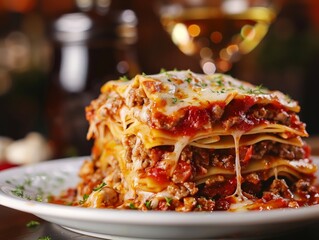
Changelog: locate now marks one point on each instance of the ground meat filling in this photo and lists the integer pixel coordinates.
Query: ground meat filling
(225, 158)
(196, 161)
(285, 151)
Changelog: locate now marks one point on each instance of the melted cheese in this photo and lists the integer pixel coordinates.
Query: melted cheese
(171, 91)
(238, 192)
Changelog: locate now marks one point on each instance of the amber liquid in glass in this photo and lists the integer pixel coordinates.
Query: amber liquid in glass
(212, 33)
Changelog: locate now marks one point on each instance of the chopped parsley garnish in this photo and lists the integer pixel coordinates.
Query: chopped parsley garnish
(45, 238)
(168, 201)
(148, 204)
(32, 224)
(219, 80)
(199, 206)
(27, 182)
(223, 90)
(99, 187)
(132, 206)
(174, 100)
(124, 78)
(163, 70)
(85, 197)
(39, 198)
(241, 87)
(201, 85)
(188, 80)
(18, 191)
(258, 90)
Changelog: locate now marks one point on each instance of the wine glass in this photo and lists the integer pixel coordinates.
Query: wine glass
(217, 32)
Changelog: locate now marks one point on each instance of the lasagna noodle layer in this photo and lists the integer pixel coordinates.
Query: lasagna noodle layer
(278, 166)
(136, 178)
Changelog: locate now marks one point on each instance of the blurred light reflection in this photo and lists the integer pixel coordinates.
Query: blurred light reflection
(209, 67)
(103, 6)
(216, 37)
(85, 5)
(194, 30)
(206, 53)
(74, 64)
(181, 38)
(235, 6)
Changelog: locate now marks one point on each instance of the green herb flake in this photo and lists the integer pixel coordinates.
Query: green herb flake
(27, 182)
(219, 80)
(39, 198)
(168, 201)
(124, 78)
(223, 90)
(241, 87)
(18, 191)
(85, 197)
(99, 187)
(174, 100)
(188, 80)
(148, 205)
(49, 198)
(32, 224)
(258, 90)
(45, 238)
(163, 70)
(132, 206)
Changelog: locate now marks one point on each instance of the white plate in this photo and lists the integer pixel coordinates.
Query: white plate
(53, 176)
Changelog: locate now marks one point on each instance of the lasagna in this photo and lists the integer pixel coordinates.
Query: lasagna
(183, 141)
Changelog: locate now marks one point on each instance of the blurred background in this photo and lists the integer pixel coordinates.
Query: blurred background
(55, 55)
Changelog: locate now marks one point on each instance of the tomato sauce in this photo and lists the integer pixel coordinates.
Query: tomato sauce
(194, 119)
(159, 175)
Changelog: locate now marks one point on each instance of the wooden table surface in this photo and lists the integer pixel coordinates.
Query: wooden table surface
(13, 227)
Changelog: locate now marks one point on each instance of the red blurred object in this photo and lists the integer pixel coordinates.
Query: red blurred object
(6, 165)
(20, 6)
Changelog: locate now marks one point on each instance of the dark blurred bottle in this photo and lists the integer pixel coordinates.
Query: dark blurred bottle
(92, 45)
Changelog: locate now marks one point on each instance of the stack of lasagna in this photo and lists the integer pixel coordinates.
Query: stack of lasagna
(193, 142)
